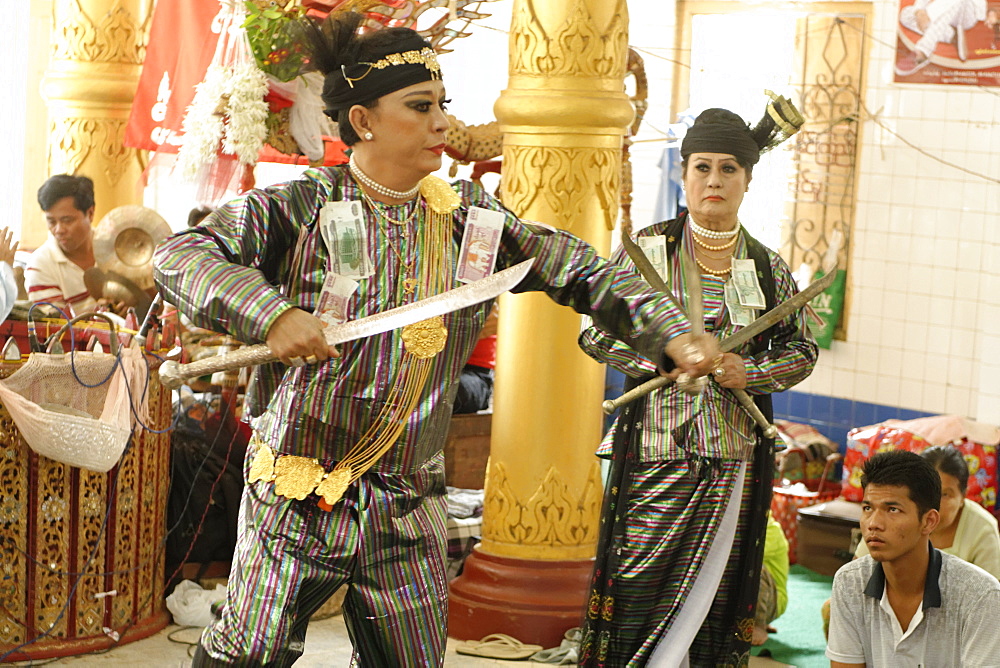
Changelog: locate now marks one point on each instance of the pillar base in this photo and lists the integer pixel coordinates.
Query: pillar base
(532, 600)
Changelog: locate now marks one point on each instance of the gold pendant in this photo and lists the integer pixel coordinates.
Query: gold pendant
(296, 477)
(409, 285)
(425, 338)
(262, 467)
(334, 485)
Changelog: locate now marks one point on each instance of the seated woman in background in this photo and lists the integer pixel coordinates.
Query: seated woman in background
(967, 530)
(772, 599)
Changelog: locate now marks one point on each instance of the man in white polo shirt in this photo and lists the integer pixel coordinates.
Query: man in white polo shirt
(55, 271)
(908, 604)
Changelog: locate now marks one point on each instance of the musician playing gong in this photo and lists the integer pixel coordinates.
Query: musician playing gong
(682, 531)
(345, 473)
(55, 271)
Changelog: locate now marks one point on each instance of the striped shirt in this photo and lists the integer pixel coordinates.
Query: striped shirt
(263, 253)
(52, 277)
(713, 424)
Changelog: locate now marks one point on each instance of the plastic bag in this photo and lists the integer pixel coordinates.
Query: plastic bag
(191, 605)
(828, 305)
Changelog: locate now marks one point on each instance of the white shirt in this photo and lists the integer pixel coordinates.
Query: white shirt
(954, 627)
(52, 277)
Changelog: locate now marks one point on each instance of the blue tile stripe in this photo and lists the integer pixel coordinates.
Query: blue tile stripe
(834, 417)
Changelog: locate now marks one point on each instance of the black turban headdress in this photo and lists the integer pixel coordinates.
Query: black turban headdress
(722, 131)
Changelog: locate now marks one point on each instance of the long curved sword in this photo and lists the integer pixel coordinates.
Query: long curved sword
(173, 375)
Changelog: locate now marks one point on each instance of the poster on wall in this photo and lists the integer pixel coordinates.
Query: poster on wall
(948, 42)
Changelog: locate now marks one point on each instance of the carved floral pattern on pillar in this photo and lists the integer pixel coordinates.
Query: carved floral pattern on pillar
(114, 38)
(576, 48)
(71, 140)
(568, 185)
(552, 516)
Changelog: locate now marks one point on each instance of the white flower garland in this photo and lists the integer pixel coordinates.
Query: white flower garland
(228, 113)
(246, 110)
(202, 127)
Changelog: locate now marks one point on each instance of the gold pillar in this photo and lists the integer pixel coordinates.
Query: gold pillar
(93, 72)
(564, 116)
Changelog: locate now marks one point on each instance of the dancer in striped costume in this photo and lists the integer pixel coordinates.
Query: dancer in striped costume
(374, 414)
(682, 529)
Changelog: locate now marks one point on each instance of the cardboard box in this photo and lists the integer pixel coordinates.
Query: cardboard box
(828, 533)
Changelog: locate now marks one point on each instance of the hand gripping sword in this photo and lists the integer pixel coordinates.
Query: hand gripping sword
(173, 375)
(772, 317)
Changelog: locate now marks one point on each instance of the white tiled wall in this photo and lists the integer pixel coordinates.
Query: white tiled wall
(924, 311)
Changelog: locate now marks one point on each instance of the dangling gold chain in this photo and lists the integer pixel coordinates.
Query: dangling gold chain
(380, 211)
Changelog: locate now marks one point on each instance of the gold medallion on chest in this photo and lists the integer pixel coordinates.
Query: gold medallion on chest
(425, 338)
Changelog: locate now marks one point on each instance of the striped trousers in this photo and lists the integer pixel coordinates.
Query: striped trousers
(673, 515)
(386, 540)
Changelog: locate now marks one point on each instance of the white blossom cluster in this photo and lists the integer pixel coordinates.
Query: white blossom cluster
(227, 115)
(246, 111)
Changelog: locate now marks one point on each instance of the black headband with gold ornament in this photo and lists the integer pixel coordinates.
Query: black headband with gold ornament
(411, 61)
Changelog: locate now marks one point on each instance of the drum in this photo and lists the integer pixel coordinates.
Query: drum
(81, 553)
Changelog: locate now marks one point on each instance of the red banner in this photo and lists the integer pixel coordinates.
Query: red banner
(182, 42)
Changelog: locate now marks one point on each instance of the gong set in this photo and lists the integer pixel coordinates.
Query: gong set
(124, 241)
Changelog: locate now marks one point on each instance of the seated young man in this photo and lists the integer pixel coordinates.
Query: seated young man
(909, 604)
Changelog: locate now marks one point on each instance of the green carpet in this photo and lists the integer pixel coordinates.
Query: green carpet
(799, 640)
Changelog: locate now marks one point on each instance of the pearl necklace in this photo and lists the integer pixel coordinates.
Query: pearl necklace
(714, 272)
(712, 234)
(724, 246)
(378, 187)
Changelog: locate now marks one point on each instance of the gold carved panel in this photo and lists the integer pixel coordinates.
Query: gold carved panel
(554, 515)
(559, 185)
(14, 532)
(577, 46)
(50, 558)
(91, 499)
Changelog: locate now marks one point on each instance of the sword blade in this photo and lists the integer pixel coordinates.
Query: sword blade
(446, 302)
(173, 375)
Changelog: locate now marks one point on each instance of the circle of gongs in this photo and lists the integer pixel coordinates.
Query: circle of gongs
(124, 242)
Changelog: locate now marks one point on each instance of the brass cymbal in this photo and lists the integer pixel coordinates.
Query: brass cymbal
(124, 241)
(116, 288)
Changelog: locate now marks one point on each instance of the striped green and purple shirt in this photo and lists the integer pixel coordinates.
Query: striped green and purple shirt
(263, 253)
(716, 424)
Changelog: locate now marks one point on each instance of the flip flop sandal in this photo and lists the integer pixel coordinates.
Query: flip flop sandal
(497, 646)
(567, 654)
(558, 656)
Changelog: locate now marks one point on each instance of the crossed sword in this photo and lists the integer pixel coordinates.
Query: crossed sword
(696, 317)
(173, 375)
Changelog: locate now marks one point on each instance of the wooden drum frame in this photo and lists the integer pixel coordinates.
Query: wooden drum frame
(82, 553)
